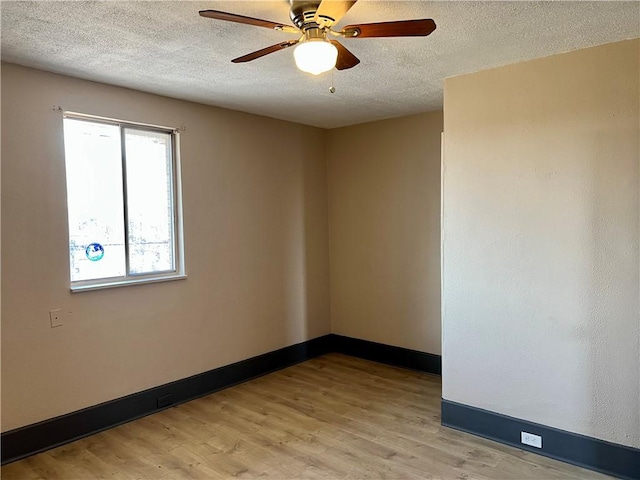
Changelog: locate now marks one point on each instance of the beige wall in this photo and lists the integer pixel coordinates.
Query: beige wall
(255, 215)
(384, 224)
(541, 267)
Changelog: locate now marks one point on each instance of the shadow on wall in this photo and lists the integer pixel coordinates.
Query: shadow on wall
(613, 307)
(305, 245)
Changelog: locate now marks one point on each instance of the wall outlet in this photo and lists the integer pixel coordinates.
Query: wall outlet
(55, 317)
(531, 439)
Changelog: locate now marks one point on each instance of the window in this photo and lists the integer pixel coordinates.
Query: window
(123, 202)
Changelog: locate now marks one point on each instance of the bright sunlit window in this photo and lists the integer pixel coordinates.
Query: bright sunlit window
(123, 203)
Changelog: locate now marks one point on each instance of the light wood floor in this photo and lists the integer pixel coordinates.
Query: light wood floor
(334, 417)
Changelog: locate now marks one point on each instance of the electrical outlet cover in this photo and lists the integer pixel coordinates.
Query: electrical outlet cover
(531, 439)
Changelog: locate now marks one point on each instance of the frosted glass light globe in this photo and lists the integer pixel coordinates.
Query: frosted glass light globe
(315, 56)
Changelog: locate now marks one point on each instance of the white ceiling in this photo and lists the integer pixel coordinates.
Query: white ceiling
(167, 48)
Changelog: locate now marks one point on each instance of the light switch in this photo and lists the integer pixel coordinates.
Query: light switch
(55, 316)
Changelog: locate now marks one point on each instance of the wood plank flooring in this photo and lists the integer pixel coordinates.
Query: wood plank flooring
(333, 417)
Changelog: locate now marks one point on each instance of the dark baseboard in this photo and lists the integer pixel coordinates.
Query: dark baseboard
(610, 458)
(387, 354)
(31, 439)
(25, 441)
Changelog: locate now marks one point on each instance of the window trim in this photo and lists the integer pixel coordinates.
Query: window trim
(126, 283)
(177, 232)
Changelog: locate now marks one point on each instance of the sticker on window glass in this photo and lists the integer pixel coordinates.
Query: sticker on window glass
(94, 252)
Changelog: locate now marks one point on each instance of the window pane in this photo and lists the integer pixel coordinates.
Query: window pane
(94, 198)
(149, 201)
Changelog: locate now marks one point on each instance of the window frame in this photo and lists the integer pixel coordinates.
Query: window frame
(177, 234)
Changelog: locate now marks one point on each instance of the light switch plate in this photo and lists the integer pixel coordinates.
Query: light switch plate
(55, 316)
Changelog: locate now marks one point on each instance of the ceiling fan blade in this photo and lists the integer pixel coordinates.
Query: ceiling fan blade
(346, 59)
(331, 11)
(232, 17)
(265, 51)
(402, 28)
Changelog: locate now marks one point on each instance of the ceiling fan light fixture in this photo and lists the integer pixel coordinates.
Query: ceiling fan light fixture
(315, 56)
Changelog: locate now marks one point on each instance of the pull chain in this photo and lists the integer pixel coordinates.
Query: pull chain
(332, 88)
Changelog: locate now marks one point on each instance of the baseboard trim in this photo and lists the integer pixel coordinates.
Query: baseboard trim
(31, 439)
(605, 457)
(39, 437)
(388, 354)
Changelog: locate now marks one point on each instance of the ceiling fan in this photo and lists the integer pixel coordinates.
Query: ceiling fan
(316, 52)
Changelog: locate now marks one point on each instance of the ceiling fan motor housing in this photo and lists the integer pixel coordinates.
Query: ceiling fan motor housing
(303, 14)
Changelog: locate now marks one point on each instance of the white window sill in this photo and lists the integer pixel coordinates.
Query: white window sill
(125, 283)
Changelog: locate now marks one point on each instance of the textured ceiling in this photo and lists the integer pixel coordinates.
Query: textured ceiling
(167, 48)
